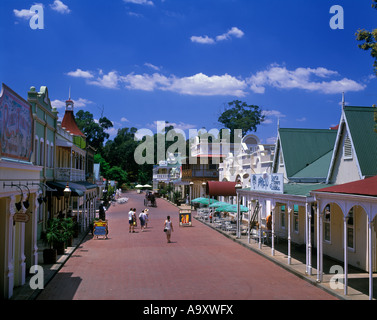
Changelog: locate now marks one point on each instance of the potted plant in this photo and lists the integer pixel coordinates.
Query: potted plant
(67, 226)
(50, 236)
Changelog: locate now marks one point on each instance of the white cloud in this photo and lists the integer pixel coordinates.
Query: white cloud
(145, 82)
(202, 40)
(203, 85)
(301, 78)
(109, 80)
(80, 103)
(143, 2)
(150, 65)
(123, 119)
(60, 7)
(23, 14)
(80, 74)
(234, 32)
(269, 114)
(220, 85)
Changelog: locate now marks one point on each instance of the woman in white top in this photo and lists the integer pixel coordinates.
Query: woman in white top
(168, 226)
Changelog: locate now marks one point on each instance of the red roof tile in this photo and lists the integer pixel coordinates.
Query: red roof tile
(366, 187)
(69, 123)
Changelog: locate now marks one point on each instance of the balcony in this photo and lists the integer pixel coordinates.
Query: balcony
(69, 174)
(200, 173)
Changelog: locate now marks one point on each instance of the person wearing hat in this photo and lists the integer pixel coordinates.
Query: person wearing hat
(146, 217)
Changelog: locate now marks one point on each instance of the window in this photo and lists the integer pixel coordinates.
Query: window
(41, 152)
(52, 156)
(36, 153)
(47, 154)
(282, 217)
(295, 218)
(347, 148)
(350, 230)
(327, 223)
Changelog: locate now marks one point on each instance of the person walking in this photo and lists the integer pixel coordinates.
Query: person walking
(168, 228)
(146, 211)
(142, 220)
(131, 220)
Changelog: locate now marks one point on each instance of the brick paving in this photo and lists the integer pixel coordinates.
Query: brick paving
(199, 264)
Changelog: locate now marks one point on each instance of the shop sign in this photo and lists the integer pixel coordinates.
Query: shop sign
(185, 217)
(16, 126)
(100, 228)
(21, 217)
(267, 182)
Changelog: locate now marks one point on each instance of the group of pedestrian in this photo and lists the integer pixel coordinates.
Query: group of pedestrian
(143, 218)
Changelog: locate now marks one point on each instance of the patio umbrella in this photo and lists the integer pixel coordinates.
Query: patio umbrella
(138, 186)
(231, 208)
(147, 186)
(202, 200)
(218, 204)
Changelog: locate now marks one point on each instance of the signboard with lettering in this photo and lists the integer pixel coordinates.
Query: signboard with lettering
(185, 218)
(16, 126)
(100, 228)
(21, 217)
(267, 182)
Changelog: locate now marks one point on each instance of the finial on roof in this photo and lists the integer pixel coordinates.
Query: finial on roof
(343, 101)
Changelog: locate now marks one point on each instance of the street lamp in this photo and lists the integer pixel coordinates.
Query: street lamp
(67, 193)
(238, 186)
(191, 184)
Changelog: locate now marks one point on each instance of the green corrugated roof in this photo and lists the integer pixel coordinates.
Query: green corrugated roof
(361, 126)
(317, 169)
(303, 147)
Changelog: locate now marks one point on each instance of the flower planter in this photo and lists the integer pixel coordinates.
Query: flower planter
(49, 256)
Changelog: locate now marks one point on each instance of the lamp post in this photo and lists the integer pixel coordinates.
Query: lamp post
(191, 184)
(67, 193)
(238, 235)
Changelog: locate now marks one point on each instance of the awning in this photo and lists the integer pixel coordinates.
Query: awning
(86, 184)
(60, 186)
(221, 188)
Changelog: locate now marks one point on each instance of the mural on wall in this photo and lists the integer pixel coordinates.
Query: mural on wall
(16, 126)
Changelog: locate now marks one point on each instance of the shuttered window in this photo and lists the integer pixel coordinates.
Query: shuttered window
(347, 149)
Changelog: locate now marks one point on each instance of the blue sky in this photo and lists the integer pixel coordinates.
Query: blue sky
(182, 61)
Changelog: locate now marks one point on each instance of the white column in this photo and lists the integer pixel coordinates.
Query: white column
(262, 204)
(370, 247)
(309, 243)
(273, 228)
(9, 276)
(345, 255)
(289, 232)
(318, 243)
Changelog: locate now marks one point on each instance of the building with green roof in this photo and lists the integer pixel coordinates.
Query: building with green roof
(355, 152)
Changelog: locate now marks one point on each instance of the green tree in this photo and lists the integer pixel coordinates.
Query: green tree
(370, 40)
(104, 165)
(95, 132)
(120, 152)
(118, 174)
(240, 115)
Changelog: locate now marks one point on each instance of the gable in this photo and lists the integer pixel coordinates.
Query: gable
(360, 123)
(303, 147)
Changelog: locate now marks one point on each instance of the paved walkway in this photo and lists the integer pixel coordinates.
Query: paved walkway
(199, 264)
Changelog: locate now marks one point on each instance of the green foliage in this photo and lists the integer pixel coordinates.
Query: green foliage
(369, 39)
(118, 174)
(95, 132)
(240, 115)
(59, 230)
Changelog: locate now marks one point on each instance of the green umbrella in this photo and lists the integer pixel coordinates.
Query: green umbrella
(218, 204)
(204, 200)
(231, 208)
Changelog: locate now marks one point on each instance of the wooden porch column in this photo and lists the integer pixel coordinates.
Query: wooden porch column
(289, 232)
(345, 219)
